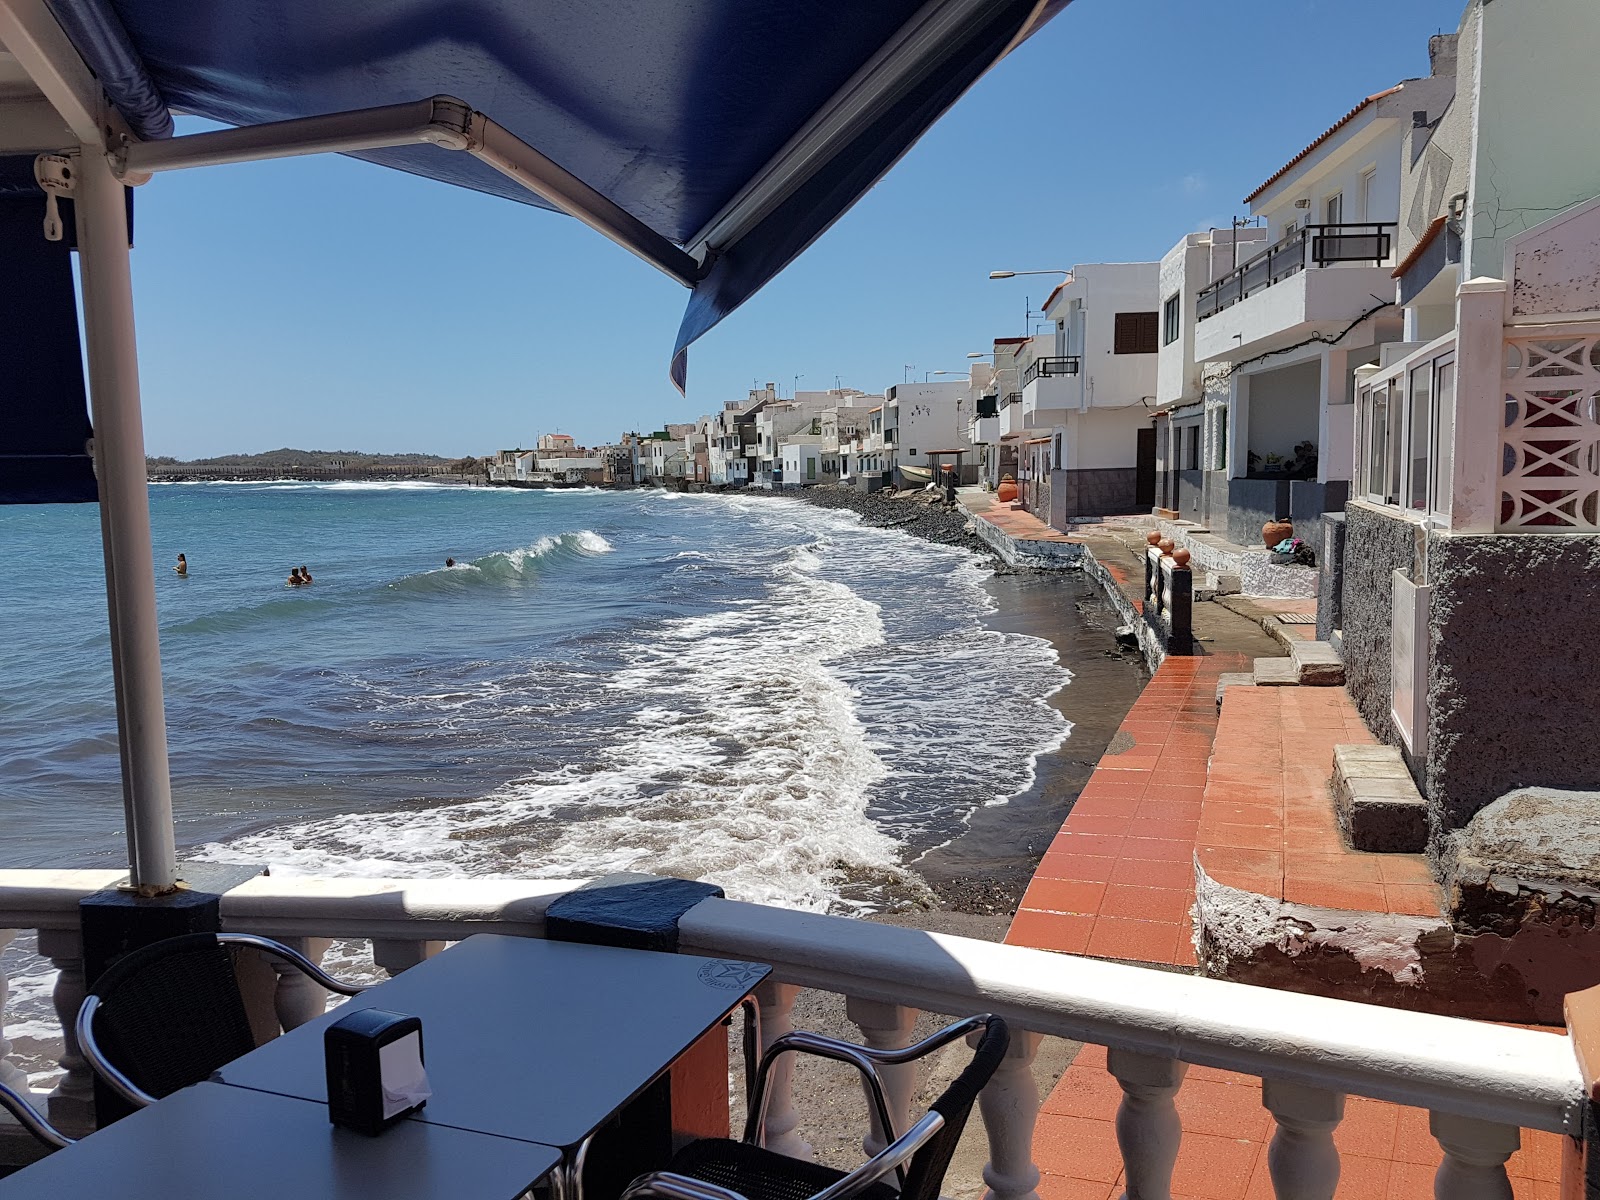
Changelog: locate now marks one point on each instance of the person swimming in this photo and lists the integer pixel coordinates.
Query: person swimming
(294, 579)
(305, 575)
(183, 566)
(449, 562)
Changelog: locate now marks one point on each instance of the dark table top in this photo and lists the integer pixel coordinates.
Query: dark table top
(526, 1038)
(210, 1142)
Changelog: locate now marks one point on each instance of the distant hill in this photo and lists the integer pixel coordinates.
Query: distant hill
(311, 464)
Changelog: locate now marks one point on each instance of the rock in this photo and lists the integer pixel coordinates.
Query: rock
(1378, 805)
(1316, 664)
(1127, 637)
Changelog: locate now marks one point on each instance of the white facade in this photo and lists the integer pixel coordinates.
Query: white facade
(923, 417)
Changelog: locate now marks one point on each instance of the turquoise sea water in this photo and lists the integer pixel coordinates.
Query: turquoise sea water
(749, 690)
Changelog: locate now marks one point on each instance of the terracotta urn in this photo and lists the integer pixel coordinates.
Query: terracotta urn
(1180, 558)
(1165, 545)
(1274, 532)
(1007, 491)
(1153, 536)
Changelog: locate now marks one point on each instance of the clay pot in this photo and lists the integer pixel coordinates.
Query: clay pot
(1274, 532)
(1153, 536)
(1180, 558)
(1165, 545)
(1007, 491)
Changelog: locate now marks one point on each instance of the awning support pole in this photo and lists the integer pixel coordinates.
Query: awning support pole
(125, 510)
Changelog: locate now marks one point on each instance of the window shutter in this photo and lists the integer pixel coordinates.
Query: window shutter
(1135, 333)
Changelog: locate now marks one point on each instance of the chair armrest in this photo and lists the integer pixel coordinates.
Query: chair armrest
(891, 1158)
(294, 958)
(677, 1187)
(802, 1042)
(28, 1117)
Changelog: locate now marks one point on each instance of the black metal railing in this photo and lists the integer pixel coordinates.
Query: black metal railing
(1314, 246)
(1012, 398)
(1041, 368)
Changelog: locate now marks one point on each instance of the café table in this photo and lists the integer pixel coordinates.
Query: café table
(214, 1142)
(529, 1039)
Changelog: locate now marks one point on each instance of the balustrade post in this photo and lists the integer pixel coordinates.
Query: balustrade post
(72, 1101)
(1148, 1129)
(886, 1027)
(1475, 1153)
(776, 1002)
(1302, 1159)
(396, 956)
(10, 1074)
(1010, 1107)
(297, 999)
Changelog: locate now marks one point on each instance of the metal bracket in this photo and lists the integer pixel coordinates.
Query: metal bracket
(56, 174)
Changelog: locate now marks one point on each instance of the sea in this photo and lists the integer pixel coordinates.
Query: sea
(750, 690)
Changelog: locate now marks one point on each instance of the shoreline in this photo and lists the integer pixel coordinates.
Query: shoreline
(983, 871)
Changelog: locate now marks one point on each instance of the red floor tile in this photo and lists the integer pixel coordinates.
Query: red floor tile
(1145, 903)
(1062, 932)
(1064, 896)
(1133, 941)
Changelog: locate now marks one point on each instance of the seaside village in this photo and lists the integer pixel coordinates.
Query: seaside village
(1322, 921)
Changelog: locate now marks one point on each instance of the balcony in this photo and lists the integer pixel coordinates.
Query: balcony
(1479, 1082)
(1322, 273)
(1048, 395)
(1044, 368)
(1011, 415)
(985, 431)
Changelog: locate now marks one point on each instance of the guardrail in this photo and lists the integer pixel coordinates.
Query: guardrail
(1312, 245)
(1043, 368)
(1481, 1082)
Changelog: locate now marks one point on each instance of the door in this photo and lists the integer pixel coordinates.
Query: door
(1144, 485)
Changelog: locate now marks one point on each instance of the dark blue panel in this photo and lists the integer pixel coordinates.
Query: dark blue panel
(103, 42)
(44, 419)
(631, 911)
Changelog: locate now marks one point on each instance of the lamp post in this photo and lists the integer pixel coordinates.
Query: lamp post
(925, 374)
(1027, 316)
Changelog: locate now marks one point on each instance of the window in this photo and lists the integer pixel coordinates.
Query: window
(1368, 194)
(1191, 448)
(1333, 209)
(1134, 333)
(1406, 437)
(1169, 320)
(1444, 435)
(1418, 409)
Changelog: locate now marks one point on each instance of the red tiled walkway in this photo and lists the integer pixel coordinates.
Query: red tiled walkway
(1118, 880)
(1268, 824)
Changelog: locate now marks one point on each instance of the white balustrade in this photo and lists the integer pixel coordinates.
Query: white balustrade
(776, 1002)
(10, 1074)
(1475, 1153)
(298, 999)
(886, 1027)
(1302, 1159)
(1148, 1128)
(1010, 1106)
(1481, 1082)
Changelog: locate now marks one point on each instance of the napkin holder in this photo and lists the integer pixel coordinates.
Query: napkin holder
(375, 1069)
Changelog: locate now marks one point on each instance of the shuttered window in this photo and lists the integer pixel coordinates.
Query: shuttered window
(1135, 333)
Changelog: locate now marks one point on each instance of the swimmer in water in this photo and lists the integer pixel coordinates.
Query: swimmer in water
(183, 566)
(449, 562)
(294, 577)
(305, 575)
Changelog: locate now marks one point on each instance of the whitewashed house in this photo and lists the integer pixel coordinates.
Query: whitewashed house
(920, 419)
(1010, 357)
(1288, 328)
(983, 424)
(1087, 400)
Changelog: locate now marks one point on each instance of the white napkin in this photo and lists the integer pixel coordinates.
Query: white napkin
(405, 1083)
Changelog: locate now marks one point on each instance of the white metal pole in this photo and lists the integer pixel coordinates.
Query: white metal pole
(125, 507)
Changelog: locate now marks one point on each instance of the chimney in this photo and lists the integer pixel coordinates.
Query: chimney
(1442, 54)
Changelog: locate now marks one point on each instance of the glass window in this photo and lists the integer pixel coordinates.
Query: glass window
(1170, 317)
(1334, 209)
(1394, 448)
(1444, 431)
(1418, 410)
(1377, 440)
(1368, 198)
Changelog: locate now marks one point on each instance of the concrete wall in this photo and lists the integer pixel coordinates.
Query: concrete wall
(1511, 681)
(1092, 493)
(1106, 437)
(1376, 545)
(1285, 406)
(1538, 93)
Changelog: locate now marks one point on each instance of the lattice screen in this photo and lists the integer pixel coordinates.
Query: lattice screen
(1550, 451)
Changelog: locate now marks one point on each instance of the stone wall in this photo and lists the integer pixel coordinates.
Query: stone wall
(1375, 546)
(1511, 681)
(1097, 492)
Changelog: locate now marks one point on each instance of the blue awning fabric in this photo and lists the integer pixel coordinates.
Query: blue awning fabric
(668, 109)
(44, 417)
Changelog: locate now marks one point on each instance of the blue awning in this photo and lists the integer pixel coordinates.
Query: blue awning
(44, 418)
(675, 110)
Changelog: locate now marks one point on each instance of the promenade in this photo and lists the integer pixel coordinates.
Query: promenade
(1240, 789)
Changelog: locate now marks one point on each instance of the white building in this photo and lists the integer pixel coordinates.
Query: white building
(1087, 400)
(919, 419)
(1283, 334)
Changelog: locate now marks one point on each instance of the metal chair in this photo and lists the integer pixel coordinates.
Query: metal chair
(170, 1014)
(28, 1117)
(722, 1169)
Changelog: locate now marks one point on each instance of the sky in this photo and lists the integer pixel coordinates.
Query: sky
(324, 303)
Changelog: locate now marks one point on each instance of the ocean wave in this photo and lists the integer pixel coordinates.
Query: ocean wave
(510, 566)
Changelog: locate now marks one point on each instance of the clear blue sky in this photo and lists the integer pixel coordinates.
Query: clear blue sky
(326, 303)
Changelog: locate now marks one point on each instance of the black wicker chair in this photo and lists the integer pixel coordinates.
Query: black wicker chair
(722, 1169)
(28, 1117)
(170, 1014)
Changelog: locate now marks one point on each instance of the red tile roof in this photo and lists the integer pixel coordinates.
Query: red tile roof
(1410, 260)
(1325, 135)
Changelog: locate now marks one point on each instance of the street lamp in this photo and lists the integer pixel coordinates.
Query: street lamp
(925, 374)
(1014, 274)
(1027, 316)
(978, 354)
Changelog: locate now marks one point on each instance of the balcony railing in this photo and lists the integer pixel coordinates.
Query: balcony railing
(1042, 368)
(1012, 398)
(1314, 245)
(1481, 1082)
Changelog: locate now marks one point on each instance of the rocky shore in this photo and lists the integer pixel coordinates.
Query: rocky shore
(920, 513)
